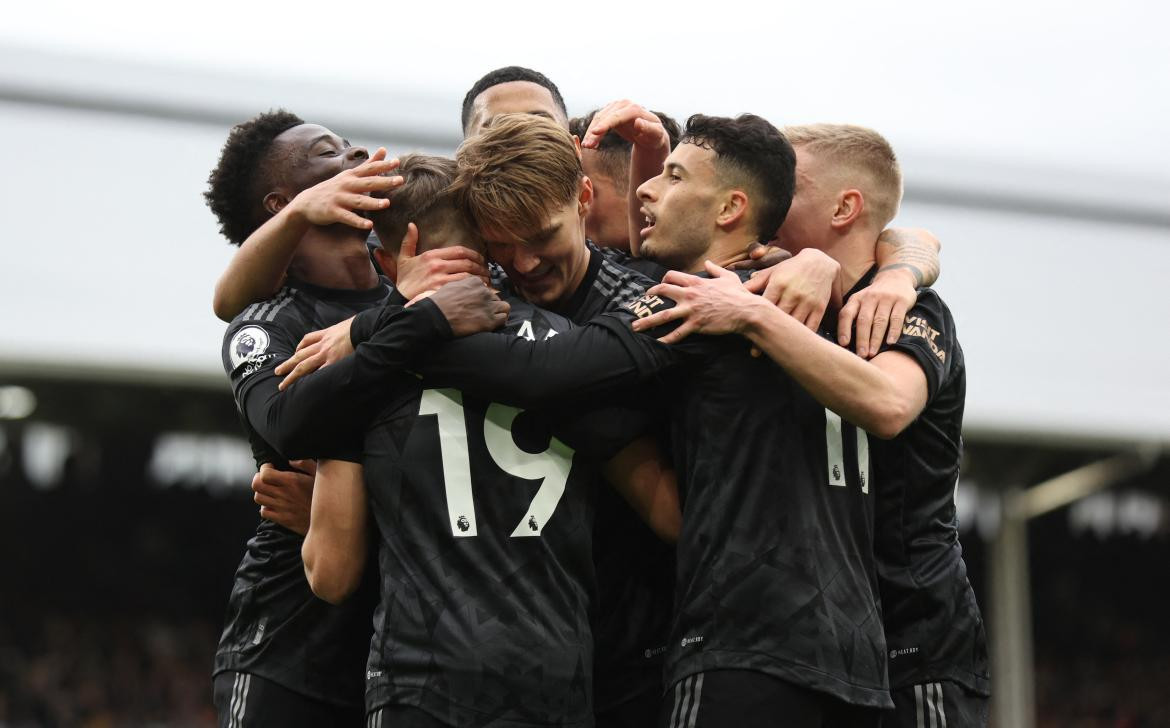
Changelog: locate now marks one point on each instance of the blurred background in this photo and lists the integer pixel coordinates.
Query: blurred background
(1033, 142)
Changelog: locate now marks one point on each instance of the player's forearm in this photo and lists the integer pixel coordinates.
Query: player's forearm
(258, 267)
(514, 371)
(912, 250)
(319, 413)
(845, 383)
(648, 483)
(334, 551)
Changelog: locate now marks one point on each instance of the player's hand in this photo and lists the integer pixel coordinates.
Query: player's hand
(714, 305)
(761, 256)
(470, 306)
(802, 287)
(286, 496)
(434, 268)
(879, 311)
(631, 122)
(340, 198)
(317, 350)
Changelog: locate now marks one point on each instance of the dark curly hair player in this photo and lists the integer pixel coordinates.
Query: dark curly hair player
(287, 658)
(244, 168)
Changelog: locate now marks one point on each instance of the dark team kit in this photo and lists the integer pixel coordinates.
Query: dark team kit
(521, 571)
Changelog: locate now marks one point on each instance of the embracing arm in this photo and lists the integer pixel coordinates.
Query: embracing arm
(258, 267)
(324, 405)
(514, 371)
(336, 544)
(320, 411)
(882, 396)
(647, 481)
(913, 250)
(907, 260)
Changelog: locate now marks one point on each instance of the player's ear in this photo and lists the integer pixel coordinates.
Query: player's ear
(388, 263)
(734, 210)
(850, 205)
(274, 202)
(584, 196)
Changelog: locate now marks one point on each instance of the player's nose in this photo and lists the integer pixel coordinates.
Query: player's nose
(356, 155)
(525, 261)
(645, 190)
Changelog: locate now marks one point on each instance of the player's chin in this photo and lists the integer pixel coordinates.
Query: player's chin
(542, 295)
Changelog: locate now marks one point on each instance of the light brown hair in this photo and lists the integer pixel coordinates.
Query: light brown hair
(863, 158)
(516, 172)
(424, 199)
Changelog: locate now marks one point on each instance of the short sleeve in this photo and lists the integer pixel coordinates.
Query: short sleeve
(928, 335)
(252, 348)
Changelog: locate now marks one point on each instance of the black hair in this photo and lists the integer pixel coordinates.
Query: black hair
(750, 149)
(580, 124)
(234, 187)
(614, 152)
(509, 74)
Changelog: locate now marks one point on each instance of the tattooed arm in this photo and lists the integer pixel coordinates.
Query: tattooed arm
(907, 260)
(911, 249)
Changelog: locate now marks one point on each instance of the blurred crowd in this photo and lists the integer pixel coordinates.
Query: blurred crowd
(77, 670)
(114, 600)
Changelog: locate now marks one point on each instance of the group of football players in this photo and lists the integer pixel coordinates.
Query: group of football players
(602, 422)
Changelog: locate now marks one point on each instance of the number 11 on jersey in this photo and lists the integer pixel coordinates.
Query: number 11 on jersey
(835, 447)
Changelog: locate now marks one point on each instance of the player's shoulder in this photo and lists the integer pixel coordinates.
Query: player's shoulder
(282, 305)
(931, 310)
(531, 322)
(619, 283)
(929, 329)
(258, 327)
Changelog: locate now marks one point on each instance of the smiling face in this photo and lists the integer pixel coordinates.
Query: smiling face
(545, 265)
(309, 154)
(513, 97)
(681, 207)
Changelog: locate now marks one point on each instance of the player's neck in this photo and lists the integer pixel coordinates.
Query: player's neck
(854, 250)
(333, 258)
(724, 250)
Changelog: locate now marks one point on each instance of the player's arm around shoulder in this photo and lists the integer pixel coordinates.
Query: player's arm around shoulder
(880, 397)
(335, 547)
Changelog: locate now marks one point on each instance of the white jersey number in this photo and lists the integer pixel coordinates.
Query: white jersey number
(551, 466)
(835, 446)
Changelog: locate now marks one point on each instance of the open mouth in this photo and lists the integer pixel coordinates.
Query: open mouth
(650, 222)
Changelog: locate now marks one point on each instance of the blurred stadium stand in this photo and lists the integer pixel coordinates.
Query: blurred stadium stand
(124, 503)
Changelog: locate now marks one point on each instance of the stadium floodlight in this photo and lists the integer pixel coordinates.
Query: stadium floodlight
(16, 403)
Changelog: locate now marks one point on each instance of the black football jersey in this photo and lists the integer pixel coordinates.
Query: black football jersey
(775, 560)
(934, 628)
(645, 266)
(635, 569)
(275, 627)
(484, 514)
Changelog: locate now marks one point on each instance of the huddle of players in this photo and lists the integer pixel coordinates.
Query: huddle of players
(495, 541)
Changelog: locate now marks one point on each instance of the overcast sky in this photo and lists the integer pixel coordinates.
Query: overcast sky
(1023, 83)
